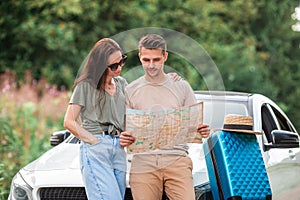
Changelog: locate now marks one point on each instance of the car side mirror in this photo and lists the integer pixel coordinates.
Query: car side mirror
(283, 139)
(58, 137)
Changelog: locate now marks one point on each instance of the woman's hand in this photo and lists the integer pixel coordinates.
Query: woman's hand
(94, 140)
(126, 139)
(175, 76)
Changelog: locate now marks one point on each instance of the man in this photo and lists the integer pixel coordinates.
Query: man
(168, 169)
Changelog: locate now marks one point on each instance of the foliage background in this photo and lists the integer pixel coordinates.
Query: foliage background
(42, 44)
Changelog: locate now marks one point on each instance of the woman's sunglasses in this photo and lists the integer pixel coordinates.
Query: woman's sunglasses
(115, 66)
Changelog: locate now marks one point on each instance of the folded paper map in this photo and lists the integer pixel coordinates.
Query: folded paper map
(163, 128)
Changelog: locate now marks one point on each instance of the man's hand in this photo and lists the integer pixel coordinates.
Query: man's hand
(126, 139)
(204, 130)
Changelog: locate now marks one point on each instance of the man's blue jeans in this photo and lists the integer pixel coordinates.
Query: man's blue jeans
(103, 167)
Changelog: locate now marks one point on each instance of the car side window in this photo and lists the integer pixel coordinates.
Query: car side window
(283, 123)
(272, 119)
(268, 123)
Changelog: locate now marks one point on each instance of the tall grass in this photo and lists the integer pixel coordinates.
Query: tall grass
(29, 112)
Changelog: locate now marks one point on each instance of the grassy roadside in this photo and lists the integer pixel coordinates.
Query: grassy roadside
(29, 113)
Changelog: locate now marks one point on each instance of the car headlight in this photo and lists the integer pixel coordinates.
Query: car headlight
(20, 190)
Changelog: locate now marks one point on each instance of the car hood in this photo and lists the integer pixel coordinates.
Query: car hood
(63, 156)
(58, 166)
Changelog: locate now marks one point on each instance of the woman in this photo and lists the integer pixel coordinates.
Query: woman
(98, 98)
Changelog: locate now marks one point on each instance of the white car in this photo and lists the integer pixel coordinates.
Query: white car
(56, 174)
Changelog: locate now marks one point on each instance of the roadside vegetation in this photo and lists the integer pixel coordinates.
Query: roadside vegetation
(29, 113)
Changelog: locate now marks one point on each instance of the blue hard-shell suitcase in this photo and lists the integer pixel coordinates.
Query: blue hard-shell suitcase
(236, 169)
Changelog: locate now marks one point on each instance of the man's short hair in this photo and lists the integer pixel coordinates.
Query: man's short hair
(153, 41)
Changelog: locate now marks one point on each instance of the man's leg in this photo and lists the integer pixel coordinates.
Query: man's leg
(179, 180)
(146, 181)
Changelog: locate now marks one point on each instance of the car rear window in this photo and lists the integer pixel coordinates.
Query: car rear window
(214, 111)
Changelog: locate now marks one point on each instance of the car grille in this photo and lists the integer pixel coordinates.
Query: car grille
(56, 193)
(69, 193)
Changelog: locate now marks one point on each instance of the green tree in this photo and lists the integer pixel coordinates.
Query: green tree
(52, 37)
(278, 47)
(251, 42)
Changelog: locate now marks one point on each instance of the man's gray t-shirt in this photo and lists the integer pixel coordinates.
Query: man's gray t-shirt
(100, 115)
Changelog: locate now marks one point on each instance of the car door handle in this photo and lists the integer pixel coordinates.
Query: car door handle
(292, 154)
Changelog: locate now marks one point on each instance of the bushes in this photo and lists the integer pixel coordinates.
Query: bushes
(29, 113)
(11, 152)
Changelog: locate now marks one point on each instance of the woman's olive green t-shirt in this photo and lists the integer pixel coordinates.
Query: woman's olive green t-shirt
(100, 115)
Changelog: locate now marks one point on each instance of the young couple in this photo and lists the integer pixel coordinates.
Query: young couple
(99, 99)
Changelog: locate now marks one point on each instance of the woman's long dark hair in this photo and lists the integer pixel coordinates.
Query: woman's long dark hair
(95, 65)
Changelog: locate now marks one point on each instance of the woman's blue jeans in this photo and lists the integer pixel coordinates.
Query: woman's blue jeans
(103, 167)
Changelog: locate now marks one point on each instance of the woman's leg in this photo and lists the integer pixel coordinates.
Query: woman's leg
(98, 172)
